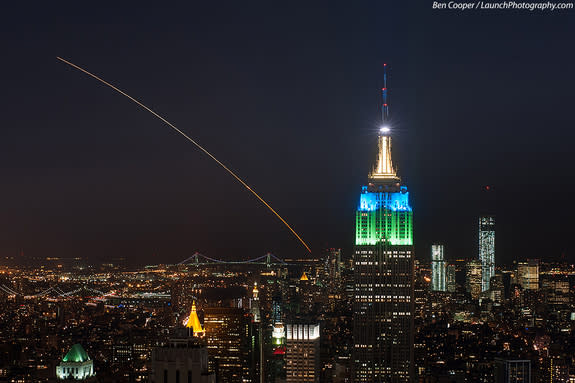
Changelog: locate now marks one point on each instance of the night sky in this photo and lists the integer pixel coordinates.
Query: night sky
(288, 96)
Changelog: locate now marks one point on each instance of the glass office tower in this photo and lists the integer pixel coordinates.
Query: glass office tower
(438, 280)
(487, 250)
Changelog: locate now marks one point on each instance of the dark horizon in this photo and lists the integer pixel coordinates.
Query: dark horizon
(289, 98)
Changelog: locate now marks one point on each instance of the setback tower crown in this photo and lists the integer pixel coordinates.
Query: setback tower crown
(383, 171)
(193, 322)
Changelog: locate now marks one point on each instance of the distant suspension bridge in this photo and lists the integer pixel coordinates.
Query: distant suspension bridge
(268, 260)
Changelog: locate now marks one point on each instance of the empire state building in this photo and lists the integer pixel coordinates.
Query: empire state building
(383, 272)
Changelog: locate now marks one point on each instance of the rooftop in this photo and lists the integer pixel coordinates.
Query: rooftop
(77, 354)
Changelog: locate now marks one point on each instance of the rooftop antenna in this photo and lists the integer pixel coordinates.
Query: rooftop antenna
(385, 105)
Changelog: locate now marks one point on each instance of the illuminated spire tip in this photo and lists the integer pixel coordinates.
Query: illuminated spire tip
(383, 169)
(194, 322)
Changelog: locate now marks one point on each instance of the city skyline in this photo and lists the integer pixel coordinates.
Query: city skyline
(267, 192)
(89, 175)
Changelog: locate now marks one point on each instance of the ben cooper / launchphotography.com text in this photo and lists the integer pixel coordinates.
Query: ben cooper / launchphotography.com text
(511, 5)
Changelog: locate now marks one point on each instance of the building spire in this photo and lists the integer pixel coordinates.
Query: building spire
(383, 169)
(193, 322)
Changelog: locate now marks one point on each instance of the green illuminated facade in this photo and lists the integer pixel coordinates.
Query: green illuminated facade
(384, 224)
(76, 365)
(76, 354)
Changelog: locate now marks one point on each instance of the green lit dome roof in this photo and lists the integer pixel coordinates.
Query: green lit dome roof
(76, 354)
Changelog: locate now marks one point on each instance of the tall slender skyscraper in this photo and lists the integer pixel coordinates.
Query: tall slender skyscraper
(450, 277)
(383, 273)
(487, 250)
(438, 280)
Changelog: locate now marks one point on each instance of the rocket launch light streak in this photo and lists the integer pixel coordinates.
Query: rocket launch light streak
(193, 142)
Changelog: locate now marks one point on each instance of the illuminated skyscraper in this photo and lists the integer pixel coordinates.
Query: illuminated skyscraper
(437, 269)
(229, 342)
(555, 288)
(487, 250)
(528, 274)
(473, 278)
(302, 353)
(383, 273)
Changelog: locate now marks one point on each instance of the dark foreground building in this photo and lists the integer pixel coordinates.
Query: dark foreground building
(183, 360)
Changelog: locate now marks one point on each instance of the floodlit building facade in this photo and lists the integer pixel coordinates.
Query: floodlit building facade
(76, 365)
(438, 280)
(193, 323)
(302, 353)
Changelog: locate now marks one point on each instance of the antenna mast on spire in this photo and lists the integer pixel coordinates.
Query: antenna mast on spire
(385, 105)
(383, 170)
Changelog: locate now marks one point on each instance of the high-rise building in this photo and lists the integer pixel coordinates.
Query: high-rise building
(255, 303)
(302, 353)
(229, 341)
(383, 273)
(512, 371)
(555, 288)
(333, 265)
(528, 274)
(257, 355)
(438, 281)
(497, 289)
(184, 359)
(554, 368)
(487, 249)
(473, 278)
(451, 281)
(277, 308)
